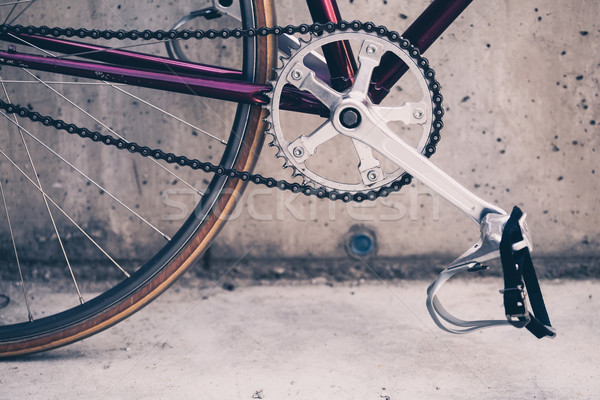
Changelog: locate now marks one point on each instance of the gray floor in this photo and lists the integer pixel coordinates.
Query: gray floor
(316, 341)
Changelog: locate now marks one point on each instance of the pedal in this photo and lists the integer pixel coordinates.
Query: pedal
(521, 286)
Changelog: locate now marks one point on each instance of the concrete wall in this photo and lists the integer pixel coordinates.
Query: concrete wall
(520, 86)
(522, 125)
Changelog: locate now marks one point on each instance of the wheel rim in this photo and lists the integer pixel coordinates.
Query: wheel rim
(172, 260)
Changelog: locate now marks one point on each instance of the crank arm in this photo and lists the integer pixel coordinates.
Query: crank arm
(387, 143)
(502, 236)
(490, 218)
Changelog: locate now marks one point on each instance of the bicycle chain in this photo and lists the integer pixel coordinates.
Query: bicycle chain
(208, 167)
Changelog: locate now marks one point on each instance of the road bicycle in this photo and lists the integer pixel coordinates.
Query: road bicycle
(351, 83)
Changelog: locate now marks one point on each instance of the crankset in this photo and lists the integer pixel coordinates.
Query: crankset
(369, 130)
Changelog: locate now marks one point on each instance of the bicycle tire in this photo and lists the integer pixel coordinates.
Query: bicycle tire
(190, 241)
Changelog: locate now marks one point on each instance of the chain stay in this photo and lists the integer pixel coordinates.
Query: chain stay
(208, 167)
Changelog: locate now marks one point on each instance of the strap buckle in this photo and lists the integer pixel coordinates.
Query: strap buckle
(514, 305)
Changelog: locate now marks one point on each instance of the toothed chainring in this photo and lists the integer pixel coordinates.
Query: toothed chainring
(296, 152)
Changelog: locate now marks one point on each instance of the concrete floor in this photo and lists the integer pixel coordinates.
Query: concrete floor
(366, 341)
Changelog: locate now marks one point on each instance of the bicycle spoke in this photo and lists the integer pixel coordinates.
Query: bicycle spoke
(20, 39)
(114, 13)
(12, 238)
(13, 3)
(39, 186)
(31, 2)
(34, 170)
(113, 131)
(63, 211)
(224, 142)
(115, 86)
(111, 84)
(157, 108)
(151, 105)
(100, 187)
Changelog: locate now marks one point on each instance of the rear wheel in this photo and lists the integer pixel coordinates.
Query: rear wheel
(84, 202)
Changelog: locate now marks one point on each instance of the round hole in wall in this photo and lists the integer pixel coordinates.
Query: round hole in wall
(361, 244)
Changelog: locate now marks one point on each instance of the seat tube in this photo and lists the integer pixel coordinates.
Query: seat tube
(340, 60)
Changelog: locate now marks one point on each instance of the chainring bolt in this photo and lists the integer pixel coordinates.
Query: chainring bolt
(418, 113)
(296, 75)
(371, 50)
(298, 152)
(372, 175)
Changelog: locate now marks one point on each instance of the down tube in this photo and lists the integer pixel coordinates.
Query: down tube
(422, 33)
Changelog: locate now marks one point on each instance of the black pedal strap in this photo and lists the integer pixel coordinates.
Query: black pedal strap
(520, 280)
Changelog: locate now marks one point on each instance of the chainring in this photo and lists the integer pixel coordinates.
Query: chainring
(424, 114)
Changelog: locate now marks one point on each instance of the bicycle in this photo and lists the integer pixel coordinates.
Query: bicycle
(337, 74)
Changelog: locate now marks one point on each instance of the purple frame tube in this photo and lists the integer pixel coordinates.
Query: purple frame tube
(121, 57)
(217, 88)
(340, 60)
(215, 82)
(155, 72)
(422, 33)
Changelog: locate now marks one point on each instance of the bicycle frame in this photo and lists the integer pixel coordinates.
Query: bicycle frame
(137, 69)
